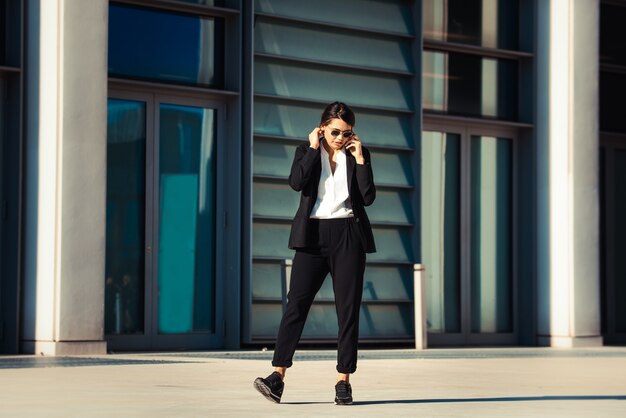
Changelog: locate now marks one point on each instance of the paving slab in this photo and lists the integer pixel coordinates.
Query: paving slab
(514, 382)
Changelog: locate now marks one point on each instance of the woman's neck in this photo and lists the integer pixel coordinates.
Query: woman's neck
(331, 151)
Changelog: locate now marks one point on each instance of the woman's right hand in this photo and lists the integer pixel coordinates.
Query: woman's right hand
(314, 137)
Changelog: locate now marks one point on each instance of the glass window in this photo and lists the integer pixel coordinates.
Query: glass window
(612, 34)
(3, 34)
(267, 280)
(164, 46)
(219, 3)
(487, 23)
(612, 93)
(187, 182)
(491, 232)
(465, 84)
(10, 28)
(265, 319)
(386, 320)
(441, 216)
(125, 214)
(619, 240)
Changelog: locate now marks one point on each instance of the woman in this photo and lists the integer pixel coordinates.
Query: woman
(331, 234)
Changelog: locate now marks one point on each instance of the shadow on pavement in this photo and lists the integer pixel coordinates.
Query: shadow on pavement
(503, 399)
(307, 403)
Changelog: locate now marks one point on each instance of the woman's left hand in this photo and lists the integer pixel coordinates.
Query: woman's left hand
(355, 148)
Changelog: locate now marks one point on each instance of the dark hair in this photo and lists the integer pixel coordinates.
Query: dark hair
(338, 110)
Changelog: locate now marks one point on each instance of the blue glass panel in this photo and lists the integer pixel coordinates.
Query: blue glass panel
(265, 319)
(440, 233)
(273, 158)
(380, 283)
(271, 240)
(320, 83)
(391, 321)
(391, 206)
(266, 280)
(125, 213)
(392, 168)
(491, 251)
(297, 120)
(164, 46)
(187, 182)
(287, 39)
(388, 15)
(388, 283)
(321, 322)
(271, 199)
(392, 244)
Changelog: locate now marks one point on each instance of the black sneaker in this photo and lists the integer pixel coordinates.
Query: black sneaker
(343, 393)
(271, 387)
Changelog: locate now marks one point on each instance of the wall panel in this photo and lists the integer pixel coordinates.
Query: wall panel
(308, 54)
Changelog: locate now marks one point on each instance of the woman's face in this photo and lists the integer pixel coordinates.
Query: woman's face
(339, 128)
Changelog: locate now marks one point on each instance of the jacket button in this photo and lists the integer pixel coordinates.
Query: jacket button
(357, 220)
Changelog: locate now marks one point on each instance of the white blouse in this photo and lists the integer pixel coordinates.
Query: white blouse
(333, 198)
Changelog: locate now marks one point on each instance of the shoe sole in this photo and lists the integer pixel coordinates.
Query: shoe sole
(343, 403)
(266, 392)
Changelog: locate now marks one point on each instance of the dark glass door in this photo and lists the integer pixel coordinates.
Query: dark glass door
(467, 234)
(162, 182)
(613, 237)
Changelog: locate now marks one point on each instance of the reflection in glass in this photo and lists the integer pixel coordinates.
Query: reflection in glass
(470, 85)
(491, 208)
(125, 209)
(186, 268)
(375, 320)
(441, 213)
(619, 240)
(612, 46)
(156, 45)
(10, 33)
(219, 3)
(612, 93)
(487, 23)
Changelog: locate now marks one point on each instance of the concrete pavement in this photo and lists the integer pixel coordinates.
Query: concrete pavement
(512, 382)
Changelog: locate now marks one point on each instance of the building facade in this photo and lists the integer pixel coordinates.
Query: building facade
(145, 148)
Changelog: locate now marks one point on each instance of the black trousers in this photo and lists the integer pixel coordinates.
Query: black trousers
(339, 252)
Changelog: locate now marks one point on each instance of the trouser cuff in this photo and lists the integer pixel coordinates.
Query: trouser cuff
(285, 364)
(346, 370)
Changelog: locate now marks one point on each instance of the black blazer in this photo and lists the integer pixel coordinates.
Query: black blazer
(305, 176)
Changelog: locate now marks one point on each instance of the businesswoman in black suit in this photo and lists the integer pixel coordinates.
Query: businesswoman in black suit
(331, 234)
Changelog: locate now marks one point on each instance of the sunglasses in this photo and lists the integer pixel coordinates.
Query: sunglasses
(345, 134)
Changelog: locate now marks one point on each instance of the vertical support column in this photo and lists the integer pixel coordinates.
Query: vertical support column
(419, 301)
(65, 190)
(568, 282)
